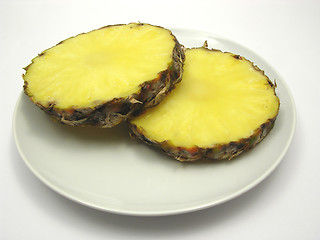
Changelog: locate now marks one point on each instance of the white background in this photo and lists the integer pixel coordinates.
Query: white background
(284, 206)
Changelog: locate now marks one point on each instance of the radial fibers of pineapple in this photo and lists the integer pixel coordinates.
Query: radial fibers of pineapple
(100, 65)
(221, 98)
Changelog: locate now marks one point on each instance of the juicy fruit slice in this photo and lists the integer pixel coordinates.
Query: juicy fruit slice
(101, 77)
(223, 106)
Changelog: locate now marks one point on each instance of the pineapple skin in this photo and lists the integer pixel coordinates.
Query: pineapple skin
(225, 151)
(111, 113)
(217, 152)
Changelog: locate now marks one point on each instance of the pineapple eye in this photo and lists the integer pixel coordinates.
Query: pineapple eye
(237, 57)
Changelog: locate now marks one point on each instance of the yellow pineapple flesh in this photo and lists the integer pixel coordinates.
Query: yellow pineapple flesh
(223, 106)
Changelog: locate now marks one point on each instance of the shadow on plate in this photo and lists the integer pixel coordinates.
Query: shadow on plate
(41, 126)
(39, 123)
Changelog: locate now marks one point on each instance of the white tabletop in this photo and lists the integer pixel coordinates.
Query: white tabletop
(284, 206)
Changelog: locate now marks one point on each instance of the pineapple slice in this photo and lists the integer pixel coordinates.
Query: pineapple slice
(223, 106)
(101, 77)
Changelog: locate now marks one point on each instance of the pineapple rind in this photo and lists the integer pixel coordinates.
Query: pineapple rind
(111, 113)
(217, 152)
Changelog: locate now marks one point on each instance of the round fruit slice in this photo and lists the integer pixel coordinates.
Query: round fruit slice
(223, 106)
(101, 77)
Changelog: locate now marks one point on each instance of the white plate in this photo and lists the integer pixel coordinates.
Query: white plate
(106, 170)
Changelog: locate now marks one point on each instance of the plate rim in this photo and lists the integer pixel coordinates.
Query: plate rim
(198, 207)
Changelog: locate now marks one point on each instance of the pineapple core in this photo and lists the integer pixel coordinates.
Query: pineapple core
(221, 98)
(95, 67)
